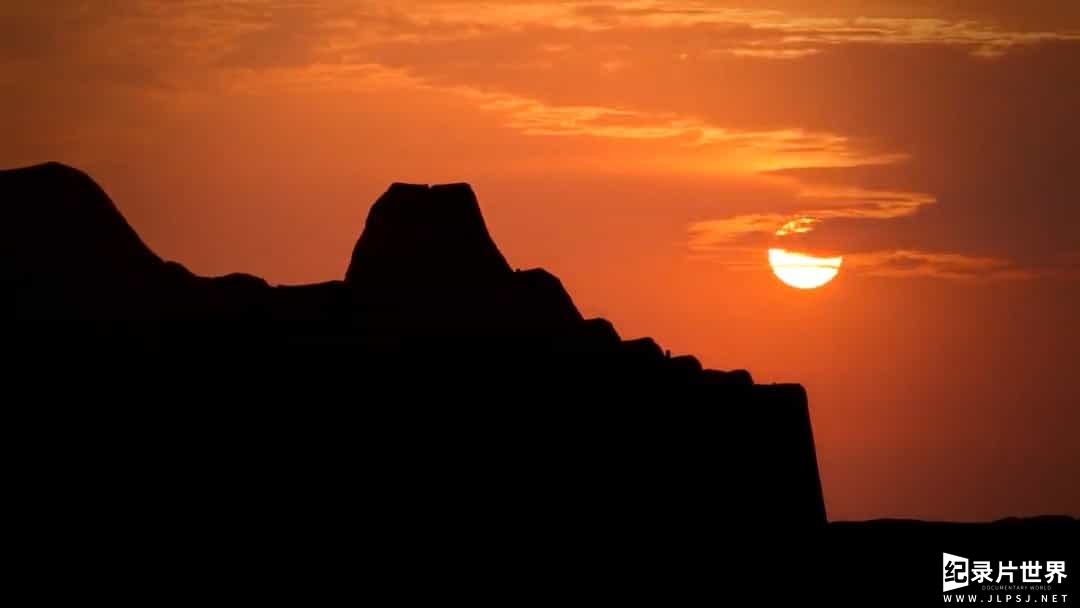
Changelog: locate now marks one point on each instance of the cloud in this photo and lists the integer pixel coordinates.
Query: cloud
(739, 241)
(266, 33)
(258, 34)
(897, 264)
(912, 264)
(758, 150)
(721, 149)
(770, 33)
(181, 40)
(819, 204)
(759, 53)
(686, 141)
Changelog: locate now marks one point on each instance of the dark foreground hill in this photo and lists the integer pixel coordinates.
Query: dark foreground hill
(433, 419)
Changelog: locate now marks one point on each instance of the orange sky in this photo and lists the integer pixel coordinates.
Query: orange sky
(644, 152)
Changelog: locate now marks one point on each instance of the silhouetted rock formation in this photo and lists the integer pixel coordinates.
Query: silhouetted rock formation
(70, 252)
(425, 262)
(538, 425)
(429, 235)
(73, 256)
(436, 411)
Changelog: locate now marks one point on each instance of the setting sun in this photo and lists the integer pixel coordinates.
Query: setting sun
(803, 271)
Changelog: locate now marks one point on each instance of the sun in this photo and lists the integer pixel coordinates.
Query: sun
(803, 271)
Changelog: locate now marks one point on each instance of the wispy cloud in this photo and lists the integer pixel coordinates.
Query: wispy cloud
(819, 205)
(766, 53)
(719, 148)
(761, 33)
(912, 263)
(683, 140)
(895, 264)
(738, 241)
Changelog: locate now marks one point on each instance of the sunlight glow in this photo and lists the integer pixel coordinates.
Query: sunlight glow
(803, 271)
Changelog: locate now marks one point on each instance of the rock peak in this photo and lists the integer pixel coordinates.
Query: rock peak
(428, 233)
